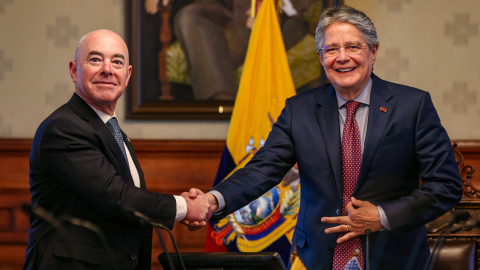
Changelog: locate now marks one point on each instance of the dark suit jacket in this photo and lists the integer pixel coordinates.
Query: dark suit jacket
(402, 145)
(77, 169)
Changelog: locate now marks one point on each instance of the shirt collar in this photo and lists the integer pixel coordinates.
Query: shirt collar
(363, 97)
(105, 117)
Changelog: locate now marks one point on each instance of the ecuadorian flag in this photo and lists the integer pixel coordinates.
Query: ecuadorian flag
(267, 223)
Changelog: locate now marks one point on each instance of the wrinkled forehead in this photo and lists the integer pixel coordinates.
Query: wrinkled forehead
(342, 33)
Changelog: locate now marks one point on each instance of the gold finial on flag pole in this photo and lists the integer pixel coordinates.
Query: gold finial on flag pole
(355, 253)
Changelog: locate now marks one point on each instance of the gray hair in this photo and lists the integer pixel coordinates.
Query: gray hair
(349, 15)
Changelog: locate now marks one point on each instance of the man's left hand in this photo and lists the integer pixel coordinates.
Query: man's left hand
(198, 209)
(365, 216)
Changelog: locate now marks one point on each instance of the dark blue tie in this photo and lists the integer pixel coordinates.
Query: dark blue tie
(117, 133)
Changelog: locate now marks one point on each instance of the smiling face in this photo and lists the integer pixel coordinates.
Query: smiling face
(101, 70)
(348, 73)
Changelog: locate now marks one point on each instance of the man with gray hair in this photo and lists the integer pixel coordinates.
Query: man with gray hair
(82, 165)
(362, 145)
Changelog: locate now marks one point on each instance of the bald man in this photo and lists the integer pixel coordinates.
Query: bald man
(82, 165)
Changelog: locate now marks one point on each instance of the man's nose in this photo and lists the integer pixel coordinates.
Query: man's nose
(342, 55)
(107, 69)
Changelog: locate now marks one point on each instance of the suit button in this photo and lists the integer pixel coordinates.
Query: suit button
(339, 212)
(133, 256)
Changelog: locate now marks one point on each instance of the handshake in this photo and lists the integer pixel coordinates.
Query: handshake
(200, 207)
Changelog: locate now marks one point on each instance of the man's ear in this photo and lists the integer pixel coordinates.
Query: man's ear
(73, 70)
(321, 58)
(129, 74)
(374, 52)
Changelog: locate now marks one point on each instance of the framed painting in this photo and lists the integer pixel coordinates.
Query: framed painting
(163, 34)
(150, 95)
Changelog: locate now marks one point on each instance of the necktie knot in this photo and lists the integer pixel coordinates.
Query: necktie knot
(352, 107)
(113, 125)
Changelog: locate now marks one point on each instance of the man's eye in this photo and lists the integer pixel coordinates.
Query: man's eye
(354, 47)
(95, 60)
(332, 49)
(118, 62)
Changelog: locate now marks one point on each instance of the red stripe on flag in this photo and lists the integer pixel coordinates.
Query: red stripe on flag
(210, 244)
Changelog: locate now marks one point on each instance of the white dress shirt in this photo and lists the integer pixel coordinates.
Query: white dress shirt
(181, 203)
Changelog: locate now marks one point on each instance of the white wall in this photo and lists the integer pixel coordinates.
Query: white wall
(418, 48)
(433, 45)
(37, 40)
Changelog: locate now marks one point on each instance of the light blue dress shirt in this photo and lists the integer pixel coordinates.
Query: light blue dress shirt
(361, 116)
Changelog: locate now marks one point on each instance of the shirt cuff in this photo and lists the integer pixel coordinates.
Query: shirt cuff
(383, 218)
(181, 208)
(220, 199)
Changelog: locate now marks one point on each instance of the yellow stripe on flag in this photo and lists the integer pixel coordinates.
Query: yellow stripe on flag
(297, 264)
(265, 85)
(253, 9)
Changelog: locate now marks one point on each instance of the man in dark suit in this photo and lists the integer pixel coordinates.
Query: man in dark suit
(362, 145)
(82, 165)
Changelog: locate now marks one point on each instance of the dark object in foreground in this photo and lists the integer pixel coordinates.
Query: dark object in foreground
(226, 261)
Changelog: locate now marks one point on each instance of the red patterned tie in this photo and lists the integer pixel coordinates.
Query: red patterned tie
(351, 161)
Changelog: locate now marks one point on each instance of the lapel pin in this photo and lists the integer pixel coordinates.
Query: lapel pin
(383, 109)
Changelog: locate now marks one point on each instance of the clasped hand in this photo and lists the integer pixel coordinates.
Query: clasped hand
(365, 216)
(200, 207)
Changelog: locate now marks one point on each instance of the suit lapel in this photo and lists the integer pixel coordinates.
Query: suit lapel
(327, 118)
(135, 160)
(377, 122)
(88, 114)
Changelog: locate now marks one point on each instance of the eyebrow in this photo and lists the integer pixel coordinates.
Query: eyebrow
(119, 55)
(352, 43)
(345, 43)
(101, 54)
(95, 53)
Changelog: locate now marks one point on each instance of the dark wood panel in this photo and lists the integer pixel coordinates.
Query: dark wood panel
(467, 156)
(11, 256)
(170, 166)
(471, 154)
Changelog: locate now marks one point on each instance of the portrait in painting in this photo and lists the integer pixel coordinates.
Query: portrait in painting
(192, 51)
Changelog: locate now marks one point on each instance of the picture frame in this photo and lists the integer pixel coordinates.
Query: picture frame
(149, 94)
